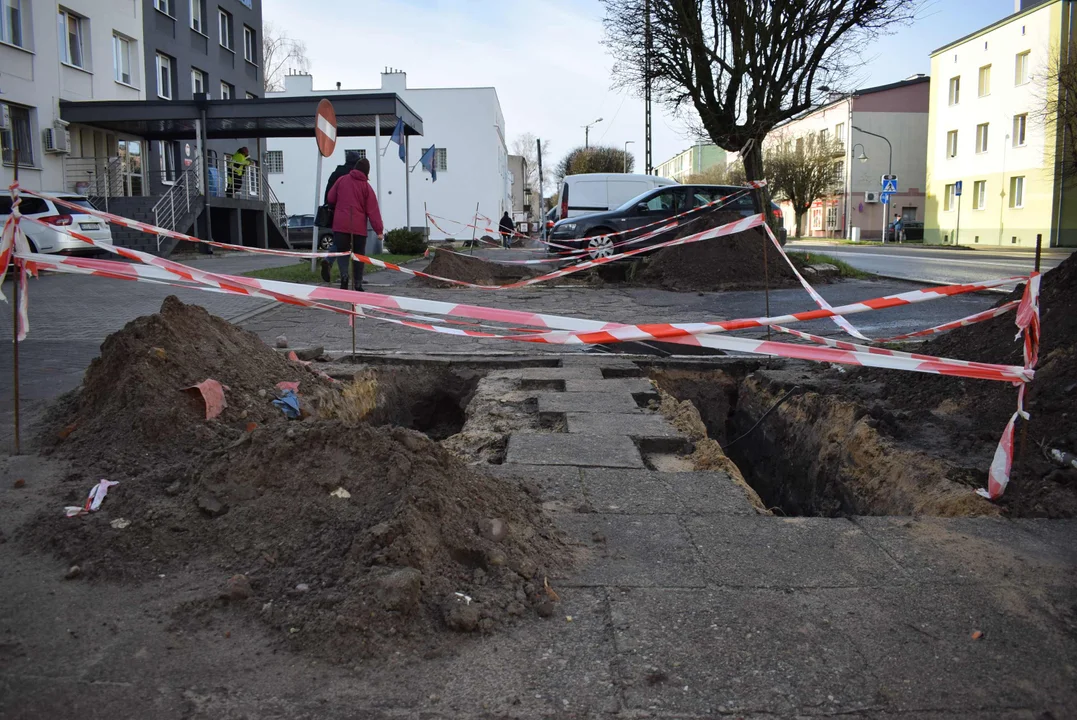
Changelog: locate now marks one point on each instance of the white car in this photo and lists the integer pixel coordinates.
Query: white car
(601, 192)
(50, 238)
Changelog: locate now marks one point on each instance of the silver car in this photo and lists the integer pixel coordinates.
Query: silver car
(50, 237)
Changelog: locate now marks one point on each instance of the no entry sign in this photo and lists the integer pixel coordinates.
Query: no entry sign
(325, 128)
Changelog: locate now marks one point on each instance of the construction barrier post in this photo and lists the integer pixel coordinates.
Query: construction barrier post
(1039, 249)
(474, 227)
(15, 321)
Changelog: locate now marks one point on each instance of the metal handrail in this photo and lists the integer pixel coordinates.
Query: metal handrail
(176, 203)
(274, 207)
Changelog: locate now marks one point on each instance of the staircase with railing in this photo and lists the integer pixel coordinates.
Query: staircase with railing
(100, 179)
(274, 207)
(178, 208)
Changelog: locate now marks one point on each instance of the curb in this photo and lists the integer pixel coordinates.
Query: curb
(251, 314)
(935, 283)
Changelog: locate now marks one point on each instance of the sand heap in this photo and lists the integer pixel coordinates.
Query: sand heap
(473, 270)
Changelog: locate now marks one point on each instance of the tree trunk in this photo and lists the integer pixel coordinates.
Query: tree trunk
(800, 220)
(753, 170)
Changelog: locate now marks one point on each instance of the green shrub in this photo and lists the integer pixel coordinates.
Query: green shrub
(402, 241)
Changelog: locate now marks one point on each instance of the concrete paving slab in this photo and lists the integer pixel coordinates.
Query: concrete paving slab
(632, 551)
(770, 551)
(636, 425)
(586, 402)
(581, 373)
(975, 549)
(630, 385)
(569, 449)
(559, 486)
(718, 652)
(645, 492)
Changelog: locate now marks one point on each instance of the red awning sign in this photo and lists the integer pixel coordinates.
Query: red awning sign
(325, 128)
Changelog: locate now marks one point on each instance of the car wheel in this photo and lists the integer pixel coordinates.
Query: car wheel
(325, 243)
(600, 246)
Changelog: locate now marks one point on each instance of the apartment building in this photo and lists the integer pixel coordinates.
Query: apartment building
(694, 160)
(994, 170)
(875, 131)
(74, 50)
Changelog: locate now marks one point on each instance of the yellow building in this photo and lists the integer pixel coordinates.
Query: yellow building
(987, 131)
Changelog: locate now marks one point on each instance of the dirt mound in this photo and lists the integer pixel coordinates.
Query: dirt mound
(974, 412)
(473, 270)
(728, 263)
(132, 410)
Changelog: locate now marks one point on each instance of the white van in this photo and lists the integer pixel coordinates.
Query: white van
(599, 192)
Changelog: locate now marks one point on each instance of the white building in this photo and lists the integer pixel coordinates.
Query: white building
(80, 50)
(466, 126)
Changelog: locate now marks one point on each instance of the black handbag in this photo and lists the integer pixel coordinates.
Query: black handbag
(324, 217)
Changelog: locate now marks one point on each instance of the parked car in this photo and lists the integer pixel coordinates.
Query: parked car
(650, 207)
(51, 238)
(301, 232)
(601, 192)
(913, 231)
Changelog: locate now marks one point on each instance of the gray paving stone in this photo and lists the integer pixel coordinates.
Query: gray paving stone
(569, 449)
(976, 549)
(648, 492)
(560, 487)
(632, 551)
(586, 402)
(580, 373)
(637, 425)
(630, 385)
(768, 551)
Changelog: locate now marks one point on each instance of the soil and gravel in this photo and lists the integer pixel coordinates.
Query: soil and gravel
(471, 269)
(350, 539)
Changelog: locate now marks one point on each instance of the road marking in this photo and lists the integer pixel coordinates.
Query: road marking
(979, 263)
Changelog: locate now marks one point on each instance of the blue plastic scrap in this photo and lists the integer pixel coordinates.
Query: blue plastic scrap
(289, 404)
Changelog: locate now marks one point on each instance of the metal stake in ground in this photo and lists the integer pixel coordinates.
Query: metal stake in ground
(474, 227)
(17, 277)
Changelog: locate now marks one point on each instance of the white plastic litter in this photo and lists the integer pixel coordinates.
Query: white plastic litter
(341, 493)
(93, 501)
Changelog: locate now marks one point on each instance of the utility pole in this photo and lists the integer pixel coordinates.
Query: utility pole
(648, 45)
(541, 200)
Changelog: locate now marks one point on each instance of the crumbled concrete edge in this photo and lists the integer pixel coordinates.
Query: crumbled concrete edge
(708, 454)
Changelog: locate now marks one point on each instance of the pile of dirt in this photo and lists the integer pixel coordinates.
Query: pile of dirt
(467, 268)
(973, 413)
(734, 262)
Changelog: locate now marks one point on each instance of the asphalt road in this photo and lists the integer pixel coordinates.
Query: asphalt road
(937, 266)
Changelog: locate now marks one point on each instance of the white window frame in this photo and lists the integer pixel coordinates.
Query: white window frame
(249, 49)
(1020, 68)
(64, 19)
(164, 6)
(982, 137)
(226, 88)
(200, 77)
(198, 16)
(979, 195)
(441, 159)
(983, 81)
(273, 161)
(1020, 130)
(121, 50)
(11, 33)
(955, 90)
(951, 143)
(164, 62)
(166, 158)
(839, 133)
(1017, 192)
(225, 18)
(950, 200)
(7, 137)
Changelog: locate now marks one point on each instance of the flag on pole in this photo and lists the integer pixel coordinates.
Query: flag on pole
(428, 161)
(398, 137)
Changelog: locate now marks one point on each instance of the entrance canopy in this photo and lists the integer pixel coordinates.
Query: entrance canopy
(243, 118)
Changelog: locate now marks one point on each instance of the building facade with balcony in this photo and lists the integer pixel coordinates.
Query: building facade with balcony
(696, 159)
(465, 125)
(898, 112)
(990, 135)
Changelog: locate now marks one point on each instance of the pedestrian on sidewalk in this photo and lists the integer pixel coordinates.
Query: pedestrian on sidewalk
(354, 202)
(507, 227)
(351, 157)
(897, 226)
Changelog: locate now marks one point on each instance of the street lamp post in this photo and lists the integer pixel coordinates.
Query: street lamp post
(587, 133)
(627, 143)
(889, 171)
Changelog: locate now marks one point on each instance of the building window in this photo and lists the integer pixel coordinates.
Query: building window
(955, 90)
(164, 77)
(979, 195)
(224, 24)
(19, 136)
(839, 133)
(1020, 70)
(273, 161)
(11, 21)
(121, 59)
(950, 200)
(249, 50)
(824, 137)
(951, 143)
(839, 171)
(981, 137)
(198, 16)
(198, 81)
(441, 156)
(1020, 123)
(164, 6)
(832, 217)
(71, 49)
(984, 88)
(226, 91)
(362, 153)
(166, 151)
(1017, 191)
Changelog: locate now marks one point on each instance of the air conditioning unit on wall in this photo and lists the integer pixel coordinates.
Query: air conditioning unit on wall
(57, 140)
(871, 197)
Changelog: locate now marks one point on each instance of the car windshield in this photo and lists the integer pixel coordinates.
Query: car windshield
(300, 221)
(80, 201)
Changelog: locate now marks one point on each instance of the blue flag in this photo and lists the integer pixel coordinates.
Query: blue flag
(429, 162)
(398, 137)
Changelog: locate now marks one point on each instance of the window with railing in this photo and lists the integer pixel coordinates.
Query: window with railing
(18, 136)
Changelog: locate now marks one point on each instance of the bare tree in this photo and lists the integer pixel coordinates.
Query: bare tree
(526, 145)
(1058, 107)
(802, 171)
(720, 174)
(281, 54)
(744, 65)
(595, 159)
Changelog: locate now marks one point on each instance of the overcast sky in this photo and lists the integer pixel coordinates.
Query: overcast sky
(546, 58)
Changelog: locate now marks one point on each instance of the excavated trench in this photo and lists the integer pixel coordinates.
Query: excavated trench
(807, 452)
(430, 399)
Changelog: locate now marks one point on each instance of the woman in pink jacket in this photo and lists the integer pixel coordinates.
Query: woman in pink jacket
(354, 202)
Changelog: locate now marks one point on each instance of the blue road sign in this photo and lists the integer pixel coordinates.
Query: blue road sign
(957, 188)
(889, 185)
(885, 197)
